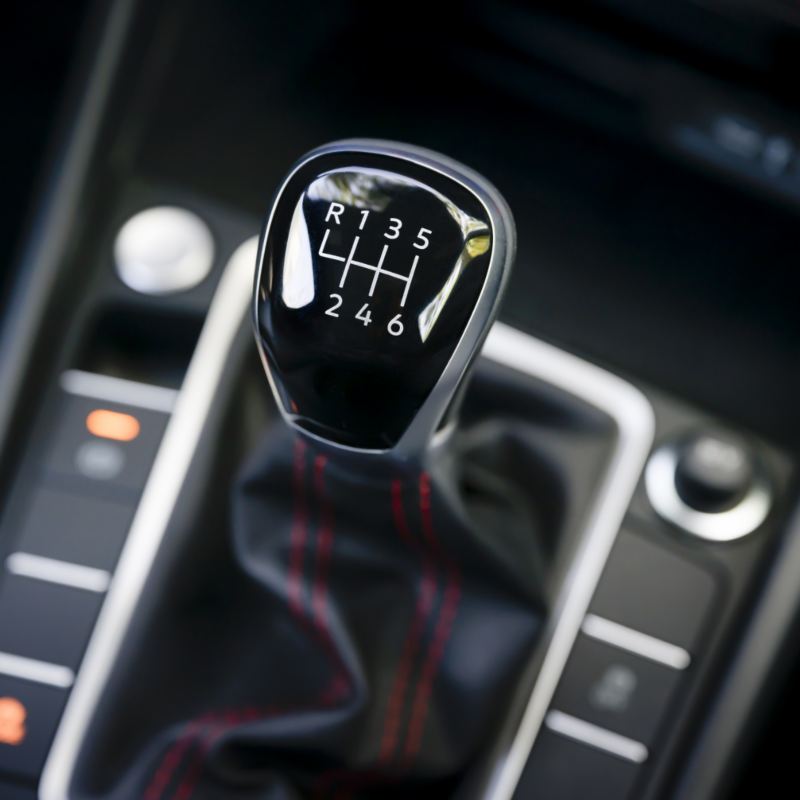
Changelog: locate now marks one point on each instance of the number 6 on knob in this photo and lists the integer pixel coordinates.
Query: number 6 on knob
(379, 273)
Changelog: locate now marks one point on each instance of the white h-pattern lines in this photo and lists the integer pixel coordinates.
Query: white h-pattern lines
(377, 270)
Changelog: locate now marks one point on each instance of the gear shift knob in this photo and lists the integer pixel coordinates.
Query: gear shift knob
(379, 273)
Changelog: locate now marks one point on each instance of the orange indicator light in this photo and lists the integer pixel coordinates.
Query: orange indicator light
(112, 425)
(12, 721)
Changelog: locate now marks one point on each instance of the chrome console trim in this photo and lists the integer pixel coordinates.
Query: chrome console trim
(225, 317)
(581, 731)
(641, 644)
(31, 669)
(119, 390)
(635, 421)
(54, 570)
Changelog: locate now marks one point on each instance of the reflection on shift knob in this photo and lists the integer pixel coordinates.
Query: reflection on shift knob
(379, 273)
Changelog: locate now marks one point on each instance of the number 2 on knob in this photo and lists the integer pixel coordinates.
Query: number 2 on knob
(337, 301)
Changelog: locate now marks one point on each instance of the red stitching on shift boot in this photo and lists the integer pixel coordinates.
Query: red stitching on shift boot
(187, 786)
(319, 606)
(194, 731)
(173, 756)
(339, 684)
(299, 532)
(425, 603)
(229, 719)
(444, 624)
(425, 596)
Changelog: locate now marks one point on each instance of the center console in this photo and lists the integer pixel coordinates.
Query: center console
(128, 612)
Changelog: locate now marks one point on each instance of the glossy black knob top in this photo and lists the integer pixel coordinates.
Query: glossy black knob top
(713, 474)
(379, 273)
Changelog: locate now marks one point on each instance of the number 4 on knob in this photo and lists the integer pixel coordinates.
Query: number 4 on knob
(364, 314)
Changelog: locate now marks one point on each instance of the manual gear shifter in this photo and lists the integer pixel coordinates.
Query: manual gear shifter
(379, 274)
(370, 628)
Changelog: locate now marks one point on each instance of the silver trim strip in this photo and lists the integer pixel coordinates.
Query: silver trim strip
(64, 573)
(225, 317)
(636, 642)
(625, 404)
(30, 669)
(634, 418)
(581, 731)
(724, 526)
(119, 390)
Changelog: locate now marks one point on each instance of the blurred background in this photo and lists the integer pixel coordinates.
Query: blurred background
(39, 45)
(649, 152)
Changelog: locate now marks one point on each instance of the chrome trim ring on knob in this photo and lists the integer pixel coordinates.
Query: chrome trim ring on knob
(723, 526)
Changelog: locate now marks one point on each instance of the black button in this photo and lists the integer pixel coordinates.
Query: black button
(99, 460)
(75, 528)
(713, 474)
(29, 716)
(648, 588)
(561, 769)
(46, 621)
(616, 690)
